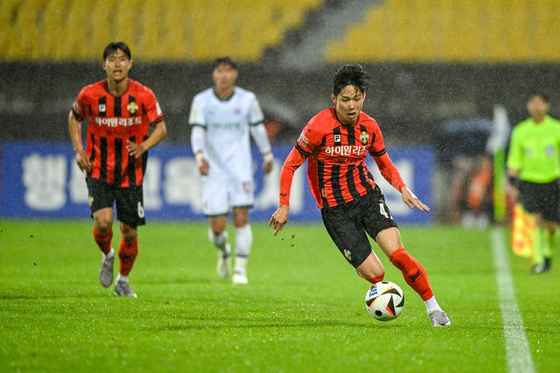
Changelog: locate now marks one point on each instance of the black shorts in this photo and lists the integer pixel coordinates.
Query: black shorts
(347, 224)
(129, 201)
(542, 199)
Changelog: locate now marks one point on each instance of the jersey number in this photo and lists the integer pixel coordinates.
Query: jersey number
(383, 212)
(140, 210)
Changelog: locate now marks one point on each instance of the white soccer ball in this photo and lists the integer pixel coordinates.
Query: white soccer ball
(385, 301)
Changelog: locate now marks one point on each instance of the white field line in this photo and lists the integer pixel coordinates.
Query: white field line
(517, 348)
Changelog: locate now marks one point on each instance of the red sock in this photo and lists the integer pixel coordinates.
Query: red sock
(103, 240)
(413, 273)
(374, 279)
(128, 250)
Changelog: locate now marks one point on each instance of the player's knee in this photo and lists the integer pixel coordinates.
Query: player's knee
(103, 225)
(240, 218)
(128, 233)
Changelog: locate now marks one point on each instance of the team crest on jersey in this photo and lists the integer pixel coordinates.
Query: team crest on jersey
(132, 108)
(102, 108)
(337, 139)
(364, 137)
(549, 150)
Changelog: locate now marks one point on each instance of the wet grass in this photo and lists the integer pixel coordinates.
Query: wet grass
(302, 310)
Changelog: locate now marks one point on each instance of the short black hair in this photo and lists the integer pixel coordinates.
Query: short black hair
(541, 94)
(222, 60)
(113, 47)
(350, 74)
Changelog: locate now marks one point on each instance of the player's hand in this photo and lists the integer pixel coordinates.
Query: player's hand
(514, 193)
(279, 218)
(203, 167)
(83, 161)
(135, 149)
(268, 163)
(411, 200)
(267, 167)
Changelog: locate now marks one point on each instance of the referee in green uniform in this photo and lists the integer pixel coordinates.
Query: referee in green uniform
(533, 167)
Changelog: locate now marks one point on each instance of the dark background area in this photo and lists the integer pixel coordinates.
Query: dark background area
(410, 102)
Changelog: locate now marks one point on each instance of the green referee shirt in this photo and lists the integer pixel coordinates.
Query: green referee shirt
(535, 150)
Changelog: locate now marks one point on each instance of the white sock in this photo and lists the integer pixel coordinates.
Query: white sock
(122, 278)
(243, 241)
(240, 262)
(432, 304)
(110, 255)
(219, 240)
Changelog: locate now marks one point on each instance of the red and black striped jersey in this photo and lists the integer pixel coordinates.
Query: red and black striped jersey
(336, 155)
(112, 121)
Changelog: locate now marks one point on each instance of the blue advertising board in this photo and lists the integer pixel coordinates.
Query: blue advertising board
(42, 180)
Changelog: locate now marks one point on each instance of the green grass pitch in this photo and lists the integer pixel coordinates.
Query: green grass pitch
(302, 311)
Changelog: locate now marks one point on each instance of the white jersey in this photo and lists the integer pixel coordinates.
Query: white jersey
(227, 147)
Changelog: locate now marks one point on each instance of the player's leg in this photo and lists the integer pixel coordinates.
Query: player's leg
(128, 252)
(243, 244)
(101, 204)
(241, 198)
(218, 235)
(103, 234)
(216, 208)
(539, 243)
(541, 201)
(380, 225)
(130, 213)
(551, 233)
(389, 240)
(371, 269)
(352, 242)
(551, 215)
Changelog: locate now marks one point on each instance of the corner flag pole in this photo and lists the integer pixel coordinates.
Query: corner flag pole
(497, 147)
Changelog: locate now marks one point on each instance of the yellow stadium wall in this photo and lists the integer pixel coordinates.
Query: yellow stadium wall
(155, 30)
(451, 31)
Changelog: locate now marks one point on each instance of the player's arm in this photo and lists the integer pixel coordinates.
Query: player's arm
(198, 138)
(514, 161)
(258, 132)
(159, 133)
(393, 176)
(75, 127)
(197, 121)
(281, 215)
(513, 179)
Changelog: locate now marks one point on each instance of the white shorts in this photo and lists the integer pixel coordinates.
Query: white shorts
(219, 197)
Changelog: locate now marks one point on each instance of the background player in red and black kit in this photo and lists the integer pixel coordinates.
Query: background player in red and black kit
(336, 142)
(119, 111)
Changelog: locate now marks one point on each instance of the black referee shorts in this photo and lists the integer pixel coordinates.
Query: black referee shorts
(348, 223)
(129, 201)
(542, 199)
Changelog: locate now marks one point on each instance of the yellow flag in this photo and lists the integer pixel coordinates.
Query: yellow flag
(524, 229)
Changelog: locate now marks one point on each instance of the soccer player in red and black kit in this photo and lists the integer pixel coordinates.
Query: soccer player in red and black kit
(120, 111)
(336, 143)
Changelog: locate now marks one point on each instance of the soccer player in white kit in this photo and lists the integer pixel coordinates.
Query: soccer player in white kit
(222, 118)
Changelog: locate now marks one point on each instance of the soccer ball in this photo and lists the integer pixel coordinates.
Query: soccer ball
(385, 301)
